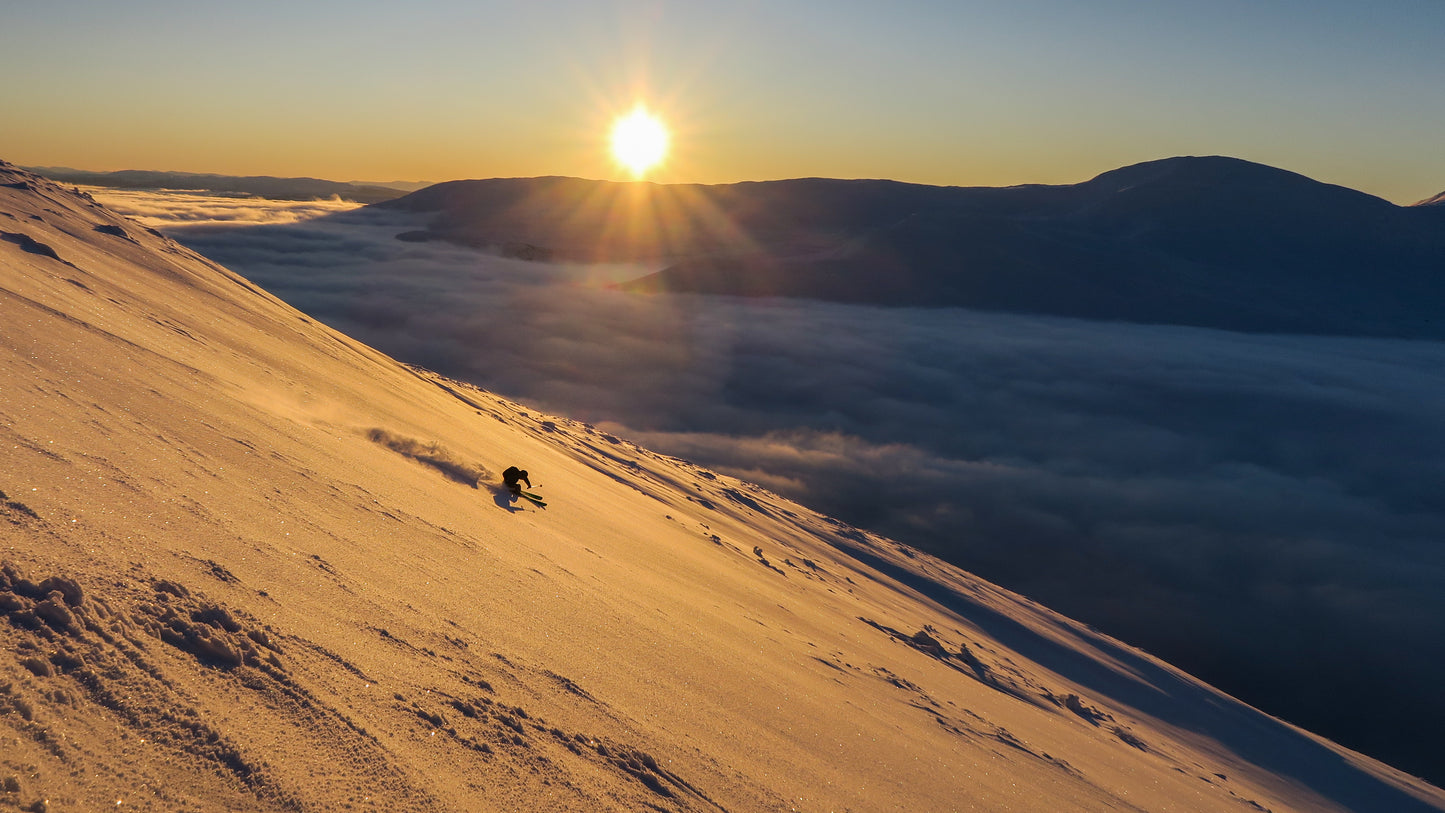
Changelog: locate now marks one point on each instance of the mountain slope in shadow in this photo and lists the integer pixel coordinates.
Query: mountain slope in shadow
(1207, 241)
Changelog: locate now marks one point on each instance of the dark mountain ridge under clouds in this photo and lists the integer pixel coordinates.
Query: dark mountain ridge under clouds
(1209, 241)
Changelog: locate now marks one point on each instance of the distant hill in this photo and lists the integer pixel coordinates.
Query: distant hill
(1209, 241)
(400, 186)
(258, 186)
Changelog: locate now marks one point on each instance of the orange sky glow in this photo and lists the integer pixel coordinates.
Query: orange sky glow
(941, 93)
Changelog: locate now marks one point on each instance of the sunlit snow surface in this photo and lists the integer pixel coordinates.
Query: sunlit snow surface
(1261, 510)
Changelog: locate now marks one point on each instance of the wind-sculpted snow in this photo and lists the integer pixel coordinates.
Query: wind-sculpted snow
(222, 590)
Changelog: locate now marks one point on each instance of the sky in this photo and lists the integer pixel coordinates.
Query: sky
(953, 93)
(1261, 510)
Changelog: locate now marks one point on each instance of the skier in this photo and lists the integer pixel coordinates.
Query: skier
(513, 478)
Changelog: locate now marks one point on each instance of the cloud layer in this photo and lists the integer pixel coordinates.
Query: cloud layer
(1264, 511)
(207, 209)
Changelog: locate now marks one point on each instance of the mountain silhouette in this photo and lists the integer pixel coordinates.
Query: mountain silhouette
(1208, 241)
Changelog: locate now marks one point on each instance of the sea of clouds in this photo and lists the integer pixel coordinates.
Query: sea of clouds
(201, 208)
(1267, 512)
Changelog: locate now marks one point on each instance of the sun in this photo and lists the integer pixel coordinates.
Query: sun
(639, 141)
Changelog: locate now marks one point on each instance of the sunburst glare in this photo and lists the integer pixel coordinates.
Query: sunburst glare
(639, 141)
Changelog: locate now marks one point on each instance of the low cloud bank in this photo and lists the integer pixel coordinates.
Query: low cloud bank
(1263, 511)
(204, 209)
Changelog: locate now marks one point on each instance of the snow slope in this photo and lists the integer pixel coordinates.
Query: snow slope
(252, 564)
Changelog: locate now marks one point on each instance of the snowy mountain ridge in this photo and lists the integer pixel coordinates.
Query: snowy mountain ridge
(253, 564)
